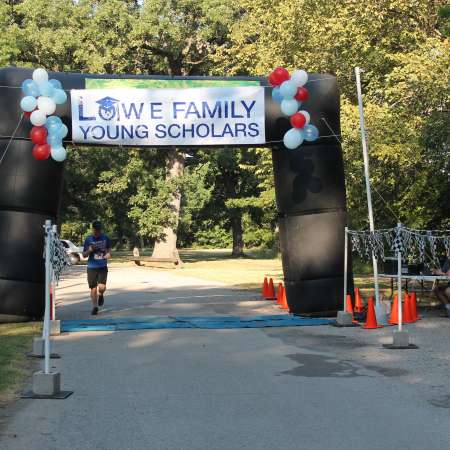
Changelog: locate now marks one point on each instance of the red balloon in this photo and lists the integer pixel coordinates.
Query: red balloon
(302, 94)
(281, 74)
(41, 151)
(38, 135)
(273, 80)
(298, 120)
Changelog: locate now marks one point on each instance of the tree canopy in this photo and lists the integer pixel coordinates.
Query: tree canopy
(227, 197)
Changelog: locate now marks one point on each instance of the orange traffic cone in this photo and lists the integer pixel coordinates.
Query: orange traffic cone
(393, 320)
(371, 318)
(407, 313)
(413, 305)
(349, 306)
(271, 290)
(280, 293)
(358, 302)
(284, 303)
(265, 288)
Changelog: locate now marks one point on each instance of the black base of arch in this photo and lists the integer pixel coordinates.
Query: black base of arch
(22, 299)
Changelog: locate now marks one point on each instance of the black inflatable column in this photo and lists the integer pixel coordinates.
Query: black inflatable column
(310, 195)
(29, 194)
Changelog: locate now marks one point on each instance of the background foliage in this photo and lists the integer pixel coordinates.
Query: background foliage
(228, 196)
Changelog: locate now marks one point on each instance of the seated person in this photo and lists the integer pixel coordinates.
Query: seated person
(442, 292)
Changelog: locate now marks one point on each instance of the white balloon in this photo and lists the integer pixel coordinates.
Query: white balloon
(293, 138)
(46, 105)
(289, 107)
(38, 118)
(307, 116)
(59, 154)
(299, 77)
(40, 76)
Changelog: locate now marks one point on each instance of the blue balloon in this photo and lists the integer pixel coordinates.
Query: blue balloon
(276, 95)
(288, 89)
(289, 107)
(62, 131)
(293, 138)
(55, 83)
(46, 89)
(311, 132)
(54, 140)
(58, 153)
(29, 87)
(53, 124)
(28, 103)
(59, 96)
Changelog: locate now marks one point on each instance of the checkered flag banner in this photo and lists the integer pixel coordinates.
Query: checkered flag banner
(397, 244)
(433, 247)
(366, 243)
(430, 243)
(422, 243)
(59, 259)
(356, 245)
(447, 244)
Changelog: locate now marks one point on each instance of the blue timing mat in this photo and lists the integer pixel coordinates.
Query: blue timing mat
(213, 322)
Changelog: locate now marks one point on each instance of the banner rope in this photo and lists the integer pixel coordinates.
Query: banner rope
(11, 139)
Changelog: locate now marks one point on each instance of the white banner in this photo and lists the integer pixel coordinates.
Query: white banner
(154, 117)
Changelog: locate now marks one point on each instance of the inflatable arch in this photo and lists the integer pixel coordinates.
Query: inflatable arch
(309, 181)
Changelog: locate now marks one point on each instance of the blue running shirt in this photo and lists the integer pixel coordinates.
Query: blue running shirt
(101, 246)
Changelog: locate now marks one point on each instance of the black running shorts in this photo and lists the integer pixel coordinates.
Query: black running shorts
(97, 276)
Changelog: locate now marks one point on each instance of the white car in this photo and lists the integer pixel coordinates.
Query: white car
(75, 253)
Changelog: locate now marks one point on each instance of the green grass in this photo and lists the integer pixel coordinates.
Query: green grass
(218, 265)
(15, 341)
(249, 272)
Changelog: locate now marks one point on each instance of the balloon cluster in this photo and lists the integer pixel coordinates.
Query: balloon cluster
(289, 92)
(41, 97)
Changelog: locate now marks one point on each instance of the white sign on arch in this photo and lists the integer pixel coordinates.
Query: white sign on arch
(159, 117)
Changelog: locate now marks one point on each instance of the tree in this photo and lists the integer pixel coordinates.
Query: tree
(9, 46)
(166, 244)
(402, 45)
(178, 37)
(234, 187)
(405, 57)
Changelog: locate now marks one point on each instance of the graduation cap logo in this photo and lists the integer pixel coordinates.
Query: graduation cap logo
(108, 108)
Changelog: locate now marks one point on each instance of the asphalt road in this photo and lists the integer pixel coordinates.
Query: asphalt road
(291, 388)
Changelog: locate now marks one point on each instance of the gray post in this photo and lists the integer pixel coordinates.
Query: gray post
(55, 325)
(345, 318)
(46, 384)
(380, 312)
(400, 338)
(399, 283)
(48, 233)
(345, 267)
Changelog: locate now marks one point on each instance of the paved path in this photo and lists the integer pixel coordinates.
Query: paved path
(141, 291)
(294, 388)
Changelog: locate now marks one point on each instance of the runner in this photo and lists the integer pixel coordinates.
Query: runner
(97, 247)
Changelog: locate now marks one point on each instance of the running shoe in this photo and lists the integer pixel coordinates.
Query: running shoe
(94, 311)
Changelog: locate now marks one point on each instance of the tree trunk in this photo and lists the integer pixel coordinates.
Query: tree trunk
(167, 246)
(238, 242)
